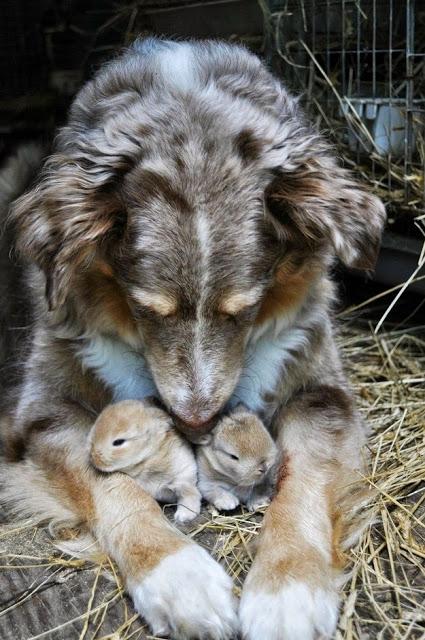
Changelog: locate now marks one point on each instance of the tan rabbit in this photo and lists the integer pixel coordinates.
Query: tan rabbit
(141, 441)
(237, 464)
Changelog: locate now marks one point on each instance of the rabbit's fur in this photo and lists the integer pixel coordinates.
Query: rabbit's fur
(141, 441)
(237, 465)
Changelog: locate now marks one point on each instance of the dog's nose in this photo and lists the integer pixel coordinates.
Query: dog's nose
(193, 417)
(195, 437)
(194, 426)
(192, 422)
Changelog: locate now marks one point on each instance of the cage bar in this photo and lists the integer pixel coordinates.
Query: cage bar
(360, 67)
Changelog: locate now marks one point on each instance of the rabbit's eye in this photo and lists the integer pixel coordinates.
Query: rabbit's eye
(118, 442)
(226, 453)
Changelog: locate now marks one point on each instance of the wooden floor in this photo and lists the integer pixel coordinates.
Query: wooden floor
(42, 595)
(47, 594)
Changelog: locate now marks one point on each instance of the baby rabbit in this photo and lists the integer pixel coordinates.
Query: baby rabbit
(237, 464)
(141, 441)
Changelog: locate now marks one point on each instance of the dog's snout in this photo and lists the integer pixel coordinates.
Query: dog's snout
(194, 422)
(196, 437)
(194, 425)
(193, 417)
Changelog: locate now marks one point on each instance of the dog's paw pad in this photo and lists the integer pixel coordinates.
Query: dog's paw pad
(258, 503)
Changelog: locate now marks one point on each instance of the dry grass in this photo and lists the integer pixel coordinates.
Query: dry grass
(385, 594)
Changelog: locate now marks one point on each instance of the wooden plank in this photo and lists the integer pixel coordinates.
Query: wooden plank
(43, 595)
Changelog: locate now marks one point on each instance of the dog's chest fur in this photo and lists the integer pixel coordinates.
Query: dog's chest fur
(121, 369)
(268, 351)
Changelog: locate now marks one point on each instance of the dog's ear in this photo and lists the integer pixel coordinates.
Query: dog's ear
(321, 203)
(61, 223)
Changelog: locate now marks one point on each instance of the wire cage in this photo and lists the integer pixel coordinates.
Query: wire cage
(360, 66)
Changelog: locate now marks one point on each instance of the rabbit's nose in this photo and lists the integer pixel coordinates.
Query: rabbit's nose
(97, 458)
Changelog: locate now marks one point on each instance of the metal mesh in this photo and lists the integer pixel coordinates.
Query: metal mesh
(360, 65)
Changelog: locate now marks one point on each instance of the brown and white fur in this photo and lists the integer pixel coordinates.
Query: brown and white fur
(237, 464)
(179, 242)
(140, 440)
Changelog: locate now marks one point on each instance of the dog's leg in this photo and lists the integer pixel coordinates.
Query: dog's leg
(291, 592)
(175, 584)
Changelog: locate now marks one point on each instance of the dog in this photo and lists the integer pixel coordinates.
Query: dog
(178, 243)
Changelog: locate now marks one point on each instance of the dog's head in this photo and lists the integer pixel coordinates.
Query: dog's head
(180, 210)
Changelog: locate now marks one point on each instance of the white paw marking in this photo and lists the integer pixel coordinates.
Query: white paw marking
(187, 596)
(296, 612)
(226, 502)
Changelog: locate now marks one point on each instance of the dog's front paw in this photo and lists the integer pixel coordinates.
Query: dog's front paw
(187, 596)
(184, 515)
(295, 611)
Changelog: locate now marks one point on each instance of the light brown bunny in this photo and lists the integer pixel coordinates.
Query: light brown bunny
(237, 464)
(141, 441)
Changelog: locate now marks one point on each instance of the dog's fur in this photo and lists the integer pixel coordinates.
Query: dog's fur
(180, 239)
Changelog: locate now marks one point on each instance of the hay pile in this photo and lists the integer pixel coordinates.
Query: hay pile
(385, 595)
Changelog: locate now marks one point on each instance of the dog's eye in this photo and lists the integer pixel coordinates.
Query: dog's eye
(239, 317)
(149, 314)
(239, 305)
(118, 442)
(160, 304)
(229, 317)
(169, 317)
(233, 456)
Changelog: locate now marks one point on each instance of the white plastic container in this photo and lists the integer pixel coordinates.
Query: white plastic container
(385, 122)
